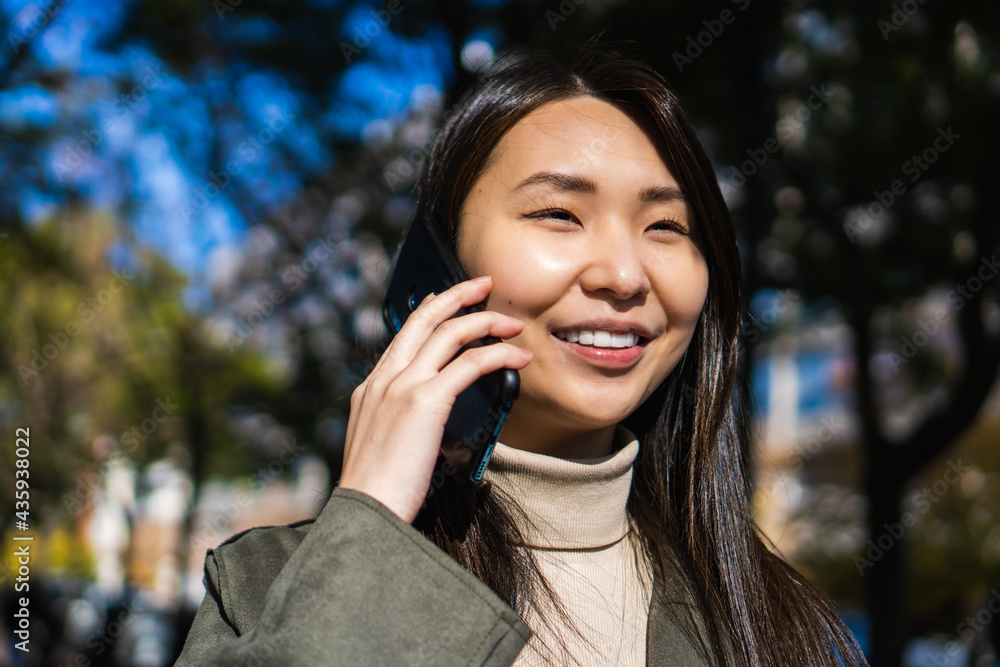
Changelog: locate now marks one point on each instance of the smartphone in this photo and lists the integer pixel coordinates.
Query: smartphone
(426, 263)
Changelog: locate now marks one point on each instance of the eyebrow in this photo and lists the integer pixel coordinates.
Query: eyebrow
(583, 185)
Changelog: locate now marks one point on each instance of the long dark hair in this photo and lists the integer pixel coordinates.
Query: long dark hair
(690, 496)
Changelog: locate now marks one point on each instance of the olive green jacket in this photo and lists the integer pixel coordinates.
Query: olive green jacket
(360, 586)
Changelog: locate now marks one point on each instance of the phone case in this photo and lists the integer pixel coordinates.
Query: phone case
(425, 263)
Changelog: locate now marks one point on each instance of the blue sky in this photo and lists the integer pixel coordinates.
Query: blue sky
(130, 135)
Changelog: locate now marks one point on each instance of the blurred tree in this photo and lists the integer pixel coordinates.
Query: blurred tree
(956, 545)
(909, 232)
(99, 349)
(954, 540)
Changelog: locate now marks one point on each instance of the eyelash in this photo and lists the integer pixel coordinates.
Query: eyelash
(671, 224)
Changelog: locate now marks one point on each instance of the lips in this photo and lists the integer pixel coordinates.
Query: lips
(600, 341)
(615, 358)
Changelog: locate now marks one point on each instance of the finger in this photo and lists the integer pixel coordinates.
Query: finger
(436, 308)
(428, 316)
(476, 362)
(446, 341)
(385, 352)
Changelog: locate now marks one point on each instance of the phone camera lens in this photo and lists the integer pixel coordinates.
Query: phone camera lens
(414, 301)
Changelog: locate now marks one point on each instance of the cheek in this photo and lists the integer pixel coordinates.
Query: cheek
(688, 301)
(528, 278)
(683, 291)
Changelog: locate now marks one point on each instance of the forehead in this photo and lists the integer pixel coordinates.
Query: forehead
(583, 135)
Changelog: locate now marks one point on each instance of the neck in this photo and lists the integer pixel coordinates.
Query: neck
(538, 433)
(574, 503)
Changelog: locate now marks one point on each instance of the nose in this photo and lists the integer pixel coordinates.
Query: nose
(615, 266)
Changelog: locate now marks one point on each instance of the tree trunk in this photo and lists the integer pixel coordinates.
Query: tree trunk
(883, 568)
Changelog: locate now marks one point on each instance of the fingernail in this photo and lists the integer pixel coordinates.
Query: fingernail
(481, 279)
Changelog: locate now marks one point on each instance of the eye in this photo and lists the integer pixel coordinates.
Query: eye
(553, 214)
(669, 226)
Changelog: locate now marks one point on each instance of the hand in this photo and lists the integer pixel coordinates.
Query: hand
(398, 413)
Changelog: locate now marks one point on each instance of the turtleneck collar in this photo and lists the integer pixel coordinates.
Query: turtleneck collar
(570, 503)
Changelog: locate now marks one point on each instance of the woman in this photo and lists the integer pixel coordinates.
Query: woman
(614, 527)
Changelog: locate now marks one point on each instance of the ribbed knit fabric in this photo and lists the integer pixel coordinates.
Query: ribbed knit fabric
(578, 532)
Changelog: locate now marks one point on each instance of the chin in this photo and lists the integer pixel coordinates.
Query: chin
(597, 418)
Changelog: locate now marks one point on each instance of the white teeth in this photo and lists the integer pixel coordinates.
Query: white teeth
(599, 338)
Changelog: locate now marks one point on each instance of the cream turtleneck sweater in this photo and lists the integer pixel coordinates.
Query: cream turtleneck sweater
(579, 535)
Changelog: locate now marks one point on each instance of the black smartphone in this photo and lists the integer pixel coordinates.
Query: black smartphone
(426, 263)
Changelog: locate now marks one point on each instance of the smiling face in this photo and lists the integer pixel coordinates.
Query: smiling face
(591, 243)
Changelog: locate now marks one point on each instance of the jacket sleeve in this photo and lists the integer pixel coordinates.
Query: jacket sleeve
(363, 587)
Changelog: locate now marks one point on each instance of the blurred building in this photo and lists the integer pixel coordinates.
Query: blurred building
(802, 393)
(808, 459)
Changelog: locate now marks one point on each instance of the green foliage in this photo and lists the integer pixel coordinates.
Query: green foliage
(98, 359)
